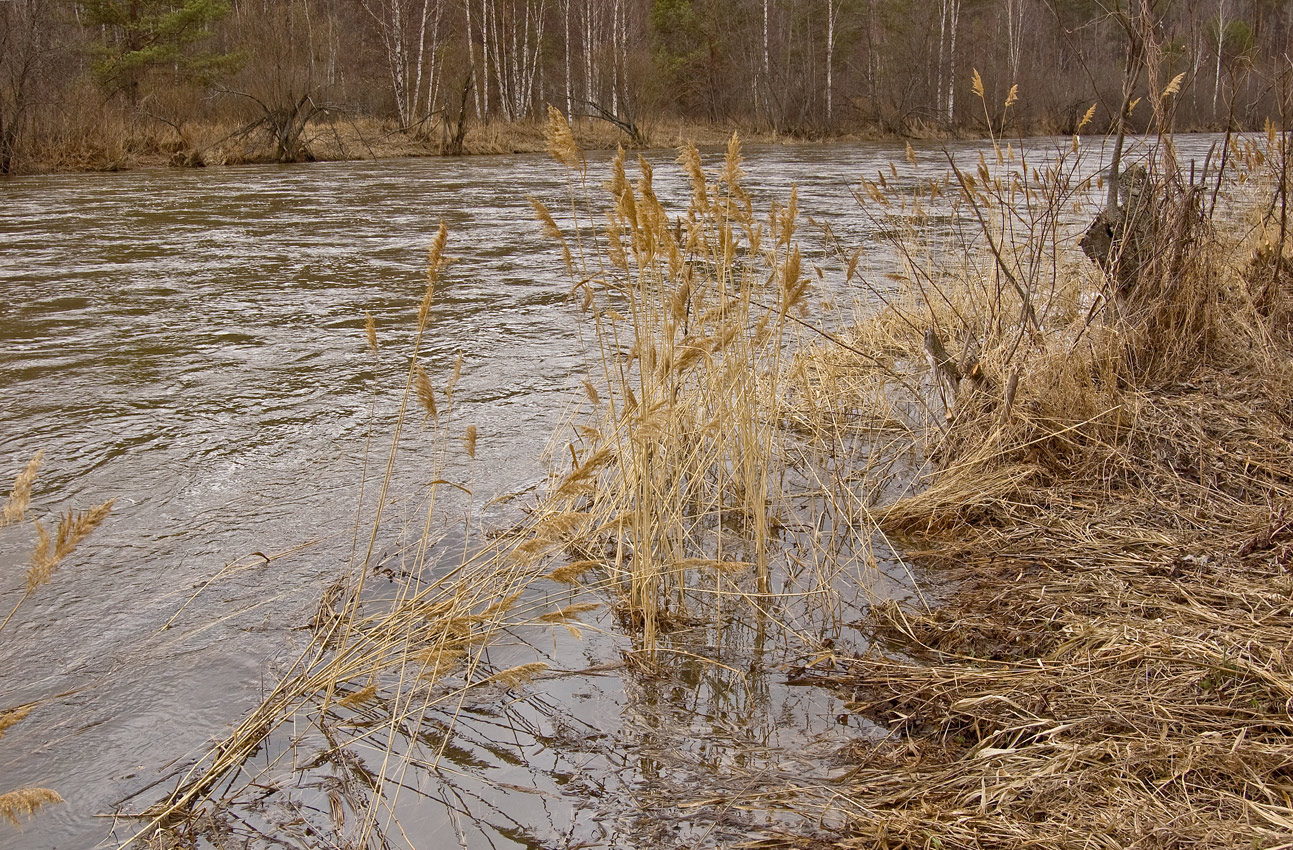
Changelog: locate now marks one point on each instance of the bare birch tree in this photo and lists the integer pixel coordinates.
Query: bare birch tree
(515, 45)
(949, 24)
(410, 32)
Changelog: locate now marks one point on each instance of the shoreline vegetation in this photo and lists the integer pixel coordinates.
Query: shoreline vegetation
(1080, 422)
(200, 144)
(1092, 451)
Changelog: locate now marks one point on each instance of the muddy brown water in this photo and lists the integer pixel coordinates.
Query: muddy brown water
(191, 344)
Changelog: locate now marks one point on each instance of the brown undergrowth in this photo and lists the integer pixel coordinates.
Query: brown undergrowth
(1110, 493)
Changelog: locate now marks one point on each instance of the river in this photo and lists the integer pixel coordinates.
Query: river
(191, 344)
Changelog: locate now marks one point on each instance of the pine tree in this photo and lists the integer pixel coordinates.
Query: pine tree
(142, 36)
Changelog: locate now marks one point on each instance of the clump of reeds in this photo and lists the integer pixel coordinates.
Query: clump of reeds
(387, 670)
(675, 476)
(1104, 474)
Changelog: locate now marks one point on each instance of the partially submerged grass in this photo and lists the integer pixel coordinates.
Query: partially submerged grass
(1097, 460)
(1109, 492)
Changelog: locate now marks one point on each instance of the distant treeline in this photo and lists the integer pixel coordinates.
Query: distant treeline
(79, 76)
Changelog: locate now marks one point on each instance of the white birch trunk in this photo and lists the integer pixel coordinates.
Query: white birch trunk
(471, 60)
(1014, 36)
(832, 12)
(570, 94)
(588, 51)
(954, 22)
(1221, 44)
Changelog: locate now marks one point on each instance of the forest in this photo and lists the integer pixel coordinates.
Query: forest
(101, 84)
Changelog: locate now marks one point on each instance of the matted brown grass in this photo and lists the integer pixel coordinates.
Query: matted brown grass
(1114, 667)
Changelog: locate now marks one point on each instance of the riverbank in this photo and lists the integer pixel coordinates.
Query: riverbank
(115, 142)
(120, 145)
(1113, 502)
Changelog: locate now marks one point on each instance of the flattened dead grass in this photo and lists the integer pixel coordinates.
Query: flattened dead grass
(1115, 666)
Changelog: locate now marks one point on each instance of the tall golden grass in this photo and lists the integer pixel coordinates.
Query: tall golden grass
(674, 489)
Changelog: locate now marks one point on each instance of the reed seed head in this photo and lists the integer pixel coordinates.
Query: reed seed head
(25, 802)
(561, 140)
(514, 677)
(469, 441)
(426, 394)
(20, 496)
(74, 527)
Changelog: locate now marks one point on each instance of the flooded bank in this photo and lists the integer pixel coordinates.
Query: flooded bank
(192, 344)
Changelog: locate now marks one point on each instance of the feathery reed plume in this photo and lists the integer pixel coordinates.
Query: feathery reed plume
(20, 496)
(436, 261)
(689, 159)
(732, 172)
(452, 386)
(514, 677)
(551, 230)
(426, 395)
(365, 694)
(561, 140)
(370, 331)
(1087, 117)
(74, 527)
(569, 612)
(13, 717)
(572, 572)
(438, 662)
(469, 441)
(25, 802)
(542, 213)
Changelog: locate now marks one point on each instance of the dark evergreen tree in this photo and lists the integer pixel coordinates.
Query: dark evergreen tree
(139, 37)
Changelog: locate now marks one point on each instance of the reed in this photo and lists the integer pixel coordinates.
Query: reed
(1105, 480)
(72, 529)
(388, 668)
(15, 508)
(25, 802)
(1094, 458)
(676, 472)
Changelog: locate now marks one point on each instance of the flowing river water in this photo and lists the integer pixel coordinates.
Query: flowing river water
(191, 344)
